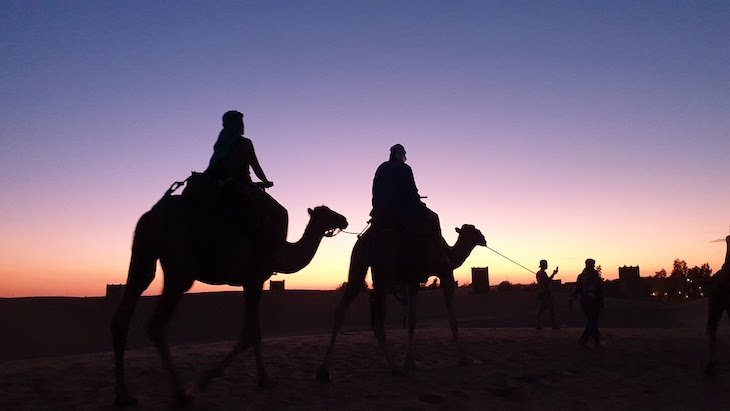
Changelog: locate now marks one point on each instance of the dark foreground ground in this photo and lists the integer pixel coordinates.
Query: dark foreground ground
(515, 368)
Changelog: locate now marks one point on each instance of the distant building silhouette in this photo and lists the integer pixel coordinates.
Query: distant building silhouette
(114, 291)
(630, 284)
(276, 286)
(480, 279)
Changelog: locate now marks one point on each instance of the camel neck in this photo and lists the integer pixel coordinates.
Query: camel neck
(295, 256)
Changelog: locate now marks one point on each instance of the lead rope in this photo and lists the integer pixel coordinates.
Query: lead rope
(504, 256)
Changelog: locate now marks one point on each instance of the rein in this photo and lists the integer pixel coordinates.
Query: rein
(333, 232)
(175, 186)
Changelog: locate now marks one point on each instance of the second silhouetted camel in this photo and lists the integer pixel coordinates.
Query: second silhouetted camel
(380, 254)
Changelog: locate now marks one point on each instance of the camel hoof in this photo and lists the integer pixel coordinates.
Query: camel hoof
(183, 399)
(125, 400)
(267, 382)
(397, 372)
(205, 378)
(409, 366)
(322, 374)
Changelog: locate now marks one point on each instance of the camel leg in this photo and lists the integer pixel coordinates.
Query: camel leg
(141, 273)
(250, 336)
(355, 280)
(377, 304)
(412, 290)
(447, 283)
(253, 300)
(244, 341)
(352, 290)
(171, 295)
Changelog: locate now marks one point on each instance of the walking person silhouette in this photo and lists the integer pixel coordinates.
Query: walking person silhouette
(545, 294)
(589, 289)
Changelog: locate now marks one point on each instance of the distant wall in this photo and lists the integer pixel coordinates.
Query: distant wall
(276, 286)
(630, 284)
(480, 279)
(114, 291)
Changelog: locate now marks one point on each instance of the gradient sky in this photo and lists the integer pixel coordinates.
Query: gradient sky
(563, 130)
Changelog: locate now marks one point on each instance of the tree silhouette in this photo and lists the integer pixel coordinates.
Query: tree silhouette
(679, 269)
(698, 278)
(661, 274)
(504, 286)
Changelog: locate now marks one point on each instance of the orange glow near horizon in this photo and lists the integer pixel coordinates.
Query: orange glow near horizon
(329, 268)
(562, 132)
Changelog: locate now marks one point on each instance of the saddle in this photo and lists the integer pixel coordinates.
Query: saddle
(420, 254)
(227, 208)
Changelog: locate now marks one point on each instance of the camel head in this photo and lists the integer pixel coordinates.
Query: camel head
(471, 235)
(326, 221)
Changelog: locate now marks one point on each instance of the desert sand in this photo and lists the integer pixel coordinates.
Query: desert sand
(516, 366)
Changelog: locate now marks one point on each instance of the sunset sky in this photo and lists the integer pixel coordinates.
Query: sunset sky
(562, 130)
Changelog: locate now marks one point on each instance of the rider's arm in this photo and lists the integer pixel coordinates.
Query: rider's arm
(255, 166)
(411, 184)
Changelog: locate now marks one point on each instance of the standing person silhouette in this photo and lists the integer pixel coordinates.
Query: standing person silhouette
(397, 205)
(590, 290)
(231, 163)
(718, 303)
(545, 294)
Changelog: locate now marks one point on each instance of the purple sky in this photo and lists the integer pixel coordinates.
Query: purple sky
(563, 131)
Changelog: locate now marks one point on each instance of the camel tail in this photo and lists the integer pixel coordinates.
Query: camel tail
(143, 263)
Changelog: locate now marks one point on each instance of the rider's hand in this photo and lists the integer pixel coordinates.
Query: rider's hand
(555, 271)
(268, 184)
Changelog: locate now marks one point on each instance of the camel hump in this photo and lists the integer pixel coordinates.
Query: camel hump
(198, 186)
(237, 206)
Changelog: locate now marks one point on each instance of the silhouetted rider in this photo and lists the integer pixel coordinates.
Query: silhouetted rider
(231, 164)
(397, 205)
(395, 196)
(233, 154)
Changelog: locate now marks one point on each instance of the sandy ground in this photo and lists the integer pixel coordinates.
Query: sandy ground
(515, 368)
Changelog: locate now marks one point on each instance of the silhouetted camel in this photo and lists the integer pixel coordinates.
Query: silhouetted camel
(379, 253)
(163, 233)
